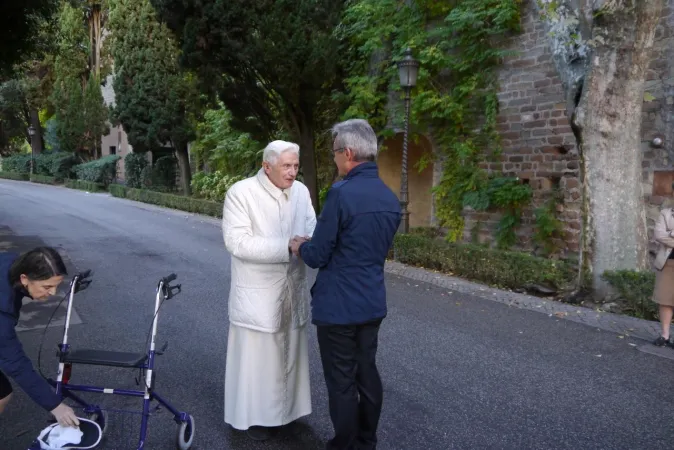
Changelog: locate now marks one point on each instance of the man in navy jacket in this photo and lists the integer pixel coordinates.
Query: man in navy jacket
(349, 247)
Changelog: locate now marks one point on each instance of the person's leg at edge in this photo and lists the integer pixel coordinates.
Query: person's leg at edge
(337, 346)
(369, 386)
(666, 313)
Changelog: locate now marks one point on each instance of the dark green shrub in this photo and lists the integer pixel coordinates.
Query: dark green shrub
(102, 171)
(88, 186)
(164, 174)
(14, 176)
(501, 268)
(44, 179)
(179, 202)
(636, 289)
(134, 164)
(16, 163)
(63, 165)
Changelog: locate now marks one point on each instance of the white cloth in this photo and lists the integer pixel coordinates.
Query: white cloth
(60, 436)
(258, 221)
(267, 378)
(267, 368)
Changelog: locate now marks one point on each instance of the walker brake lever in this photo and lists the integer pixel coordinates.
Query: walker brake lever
(163, 349)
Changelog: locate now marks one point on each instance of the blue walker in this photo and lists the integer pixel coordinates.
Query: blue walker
(138, 361)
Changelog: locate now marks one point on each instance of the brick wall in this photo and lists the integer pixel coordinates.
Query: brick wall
(538, 143)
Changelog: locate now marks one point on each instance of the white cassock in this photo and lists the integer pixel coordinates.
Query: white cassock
(267, 369)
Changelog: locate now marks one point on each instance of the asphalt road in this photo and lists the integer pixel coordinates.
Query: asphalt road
(459, 372)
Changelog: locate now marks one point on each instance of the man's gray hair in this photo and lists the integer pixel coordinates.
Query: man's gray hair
(274, 149)
(357, 135)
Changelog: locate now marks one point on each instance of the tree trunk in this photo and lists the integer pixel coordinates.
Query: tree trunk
(35, 122)
(308, 161)
(184, 167)
(607, 122)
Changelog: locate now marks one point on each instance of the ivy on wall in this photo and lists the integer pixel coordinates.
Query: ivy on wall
(457, 44)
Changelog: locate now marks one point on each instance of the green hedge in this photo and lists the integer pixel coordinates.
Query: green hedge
(16, 163)
(500, 268)
(44, 179)
(180, 202)
(103, 170)
(14, 176)
(89, 186)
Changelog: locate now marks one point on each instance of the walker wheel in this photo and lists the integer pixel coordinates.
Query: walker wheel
(101, 418)
(186, 434)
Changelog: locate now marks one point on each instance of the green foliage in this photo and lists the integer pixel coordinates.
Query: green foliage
(44, 179)
(102, 171)
(134, 163)
(505, 269)
(506, 194)
(223, 148)
(155, 99)
(20, 22)
(162, 176)
(63, 165)
(274, 64)
(14, 176)
(95, 114)
(213, 186)
(179, 202)
(457, 46)
(547, 227)
(13, 116)
(51, 140)
(16, 163)
(636, 289)
(82, 185)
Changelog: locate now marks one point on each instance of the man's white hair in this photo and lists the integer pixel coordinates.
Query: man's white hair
(273, 150)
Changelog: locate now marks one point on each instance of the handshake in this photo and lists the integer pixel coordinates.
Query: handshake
(294, 244)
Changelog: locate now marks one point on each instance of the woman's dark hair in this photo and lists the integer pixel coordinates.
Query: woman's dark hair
(38, 264)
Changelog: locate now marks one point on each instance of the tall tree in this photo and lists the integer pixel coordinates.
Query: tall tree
(152, 93)
(80, 113)
(20, 23)
(602, 50)
(272, 61)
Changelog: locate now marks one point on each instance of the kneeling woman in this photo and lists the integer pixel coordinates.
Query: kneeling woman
(35, 274)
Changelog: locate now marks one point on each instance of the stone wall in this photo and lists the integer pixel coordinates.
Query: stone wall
(539, 145)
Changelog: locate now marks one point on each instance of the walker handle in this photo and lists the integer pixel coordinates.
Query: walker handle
(170, 278)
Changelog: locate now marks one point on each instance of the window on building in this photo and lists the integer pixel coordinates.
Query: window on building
(113, 150)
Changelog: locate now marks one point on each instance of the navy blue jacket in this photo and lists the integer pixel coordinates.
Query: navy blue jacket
(13, 361)
(352, 238)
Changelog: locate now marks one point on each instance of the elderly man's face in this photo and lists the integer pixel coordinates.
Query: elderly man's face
(284, 171)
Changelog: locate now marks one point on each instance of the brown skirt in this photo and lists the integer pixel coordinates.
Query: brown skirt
(664, 285)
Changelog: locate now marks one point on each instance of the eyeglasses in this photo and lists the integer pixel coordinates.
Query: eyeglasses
(337, 150)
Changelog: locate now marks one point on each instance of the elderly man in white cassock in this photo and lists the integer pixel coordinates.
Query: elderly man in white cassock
(267, 369)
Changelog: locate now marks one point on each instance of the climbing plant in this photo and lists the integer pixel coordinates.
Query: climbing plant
(457, 44)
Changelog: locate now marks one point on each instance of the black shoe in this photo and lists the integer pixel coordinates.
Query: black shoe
(661, 341)
(257, 433)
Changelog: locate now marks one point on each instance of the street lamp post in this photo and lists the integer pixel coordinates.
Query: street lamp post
(31, 133)
(408, 68)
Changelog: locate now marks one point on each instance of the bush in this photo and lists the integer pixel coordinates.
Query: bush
(636, 289)
(88, 186)
(134, 163)
(63, 165)
(44, 179)
(14, 176)
(16, 163)
(213, 186)
(180, 202)
(102, 171)
(501, 268)
(164, 173)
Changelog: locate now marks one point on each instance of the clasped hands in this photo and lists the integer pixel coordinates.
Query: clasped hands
(294, 244)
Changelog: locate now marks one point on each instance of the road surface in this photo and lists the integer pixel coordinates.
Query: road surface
(459, 372)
